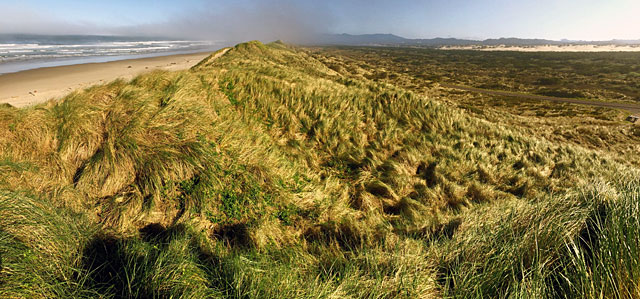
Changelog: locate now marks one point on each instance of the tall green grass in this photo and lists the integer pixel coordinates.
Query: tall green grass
(40, 249)
(583, 246)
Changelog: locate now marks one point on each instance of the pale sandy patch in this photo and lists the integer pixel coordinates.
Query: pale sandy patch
(550, 48)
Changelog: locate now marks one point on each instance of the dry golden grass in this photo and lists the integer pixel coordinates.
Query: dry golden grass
(263, 173)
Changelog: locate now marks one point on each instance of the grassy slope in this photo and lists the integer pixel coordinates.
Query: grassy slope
(419, 70)
(264, 173)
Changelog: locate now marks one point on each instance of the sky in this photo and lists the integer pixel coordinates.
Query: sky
(296, 20)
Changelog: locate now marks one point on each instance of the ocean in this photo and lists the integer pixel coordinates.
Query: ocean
(20, 52)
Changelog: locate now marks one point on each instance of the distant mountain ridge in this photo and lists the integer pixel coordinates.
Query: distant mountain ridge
(391, 39)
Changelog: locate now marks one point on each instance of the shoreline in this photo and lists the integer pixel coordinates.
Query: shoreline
(8, 67)
(34, 86)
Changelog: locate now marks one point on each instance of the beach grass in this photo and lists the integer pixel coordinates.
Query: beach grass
(266, 172)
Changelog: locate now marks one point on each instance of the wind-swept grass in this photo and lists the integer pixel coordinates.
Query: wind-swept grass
(264, 173)
(40, 249)
(604, 261)
(584, 246)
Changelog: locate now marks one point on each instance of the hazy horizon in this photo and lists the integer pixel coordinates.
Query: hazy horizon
(298, 20)
(157, 37)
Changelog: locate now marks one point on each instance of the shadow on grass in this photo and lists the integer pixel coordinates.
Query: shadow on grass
(103, 259)
(129, 267)
(118, 266)
(235, 235)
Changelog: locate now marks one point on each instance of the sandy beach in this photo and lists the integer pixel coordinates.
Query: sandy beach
(39, 85)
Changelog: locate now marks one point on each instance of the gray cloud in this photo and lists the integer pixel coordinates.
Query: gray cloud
(264, 20)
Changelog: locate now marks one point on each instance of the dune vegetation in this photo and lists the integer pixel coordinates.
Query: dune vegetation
(606, 76)
(267, 172)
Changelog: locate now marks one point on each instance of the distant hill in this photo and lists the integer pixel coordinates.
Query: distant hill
(363, 39)
(393, 40)
(385, 39)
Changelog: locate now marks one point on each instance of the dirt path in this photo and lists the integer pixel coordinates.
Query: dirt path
(633, 108)
(224, 51)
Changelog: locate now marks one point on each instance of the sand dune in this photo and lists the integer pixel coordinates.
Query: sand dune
(39, 85)
(550, 48)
